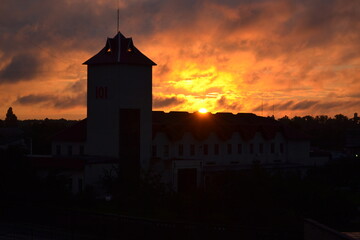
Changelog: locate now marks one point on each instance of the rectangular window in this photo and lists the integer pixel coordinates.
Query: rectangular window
(261, 148)
(58, 149)
(229, 149)
(192, 149)
(70, 183)
(216, 149)
(70, 150)
(281, 148)
(80, 185)
(81, 150)
(166, 150)
(272, 148)
(206, 149)
(251, 148)
(181, 149)
(239, 148)
(154, 151)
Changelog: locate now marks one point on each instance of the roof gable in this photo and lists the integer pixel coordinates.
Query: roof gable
(120, 50)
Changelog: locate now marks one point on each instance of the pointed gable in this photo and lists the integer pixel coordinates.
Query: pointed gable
(120, 50)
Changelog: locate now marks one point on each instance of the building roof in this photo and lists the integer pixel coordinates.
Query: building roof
(176, 124)
(10, 135)
(119, 50)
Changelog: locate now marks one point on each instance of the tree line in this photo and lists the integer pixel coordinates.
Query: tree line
(323, 131)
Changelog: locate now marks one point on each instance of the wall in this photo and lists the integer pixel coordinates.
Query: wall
(127, 87)
(292, 151)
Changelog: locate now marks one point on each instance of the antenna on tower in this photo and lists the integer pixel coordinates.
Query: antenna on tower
(273, 106)
(118, 17)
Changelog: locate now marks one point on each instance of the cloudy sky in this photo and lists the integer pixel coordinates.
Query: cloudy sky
(285, 57)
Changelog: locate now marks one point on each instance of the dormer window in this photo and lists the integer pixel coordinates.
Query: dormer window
(130, 46)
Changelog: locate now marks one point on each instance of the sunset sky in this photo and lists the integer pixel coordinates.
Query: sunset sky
(285, 57)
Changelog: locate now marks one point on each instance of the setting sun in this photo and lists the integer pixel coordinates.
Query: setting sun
(203, 110)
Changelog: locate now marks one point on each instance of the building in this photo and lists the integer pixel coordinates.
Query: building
(13, 137)
(184, 148)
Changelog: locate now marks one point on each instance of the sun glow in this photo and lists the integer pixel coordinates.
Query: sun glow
(203, 110)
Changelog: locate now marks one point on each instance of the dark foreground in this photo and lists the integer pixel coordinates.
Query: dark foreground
(36, 223)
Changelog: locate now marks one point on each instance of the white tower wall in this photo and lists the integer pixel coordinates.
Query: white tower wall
(112, 87)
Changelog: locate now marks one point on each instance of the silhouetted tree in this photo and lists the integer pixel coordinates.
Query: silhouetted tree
(341, 118)
(11, 119)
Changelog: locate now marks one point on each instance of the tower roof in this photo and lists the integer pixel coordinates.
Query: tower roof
(119, 50)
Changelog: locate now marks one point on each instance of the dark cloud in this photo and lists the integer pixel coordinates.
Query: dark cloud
(70, 102)
(160, 102)
(50, 24)
(284, 106)
(78, 86)
(303, 105)
(261, 107)
(327, 106)
(163, 69)
(355, 95)
(34, 99)
(309, 105)
(162, 15)
(22, 67)
(52, 100)
(288, 105)
(223, 102)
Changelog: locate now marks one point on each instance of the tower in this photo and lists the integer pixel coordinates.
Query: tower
(119, 103)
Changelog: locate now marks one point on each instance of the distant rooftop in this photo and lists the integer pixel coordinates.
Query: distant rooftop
(175, 124)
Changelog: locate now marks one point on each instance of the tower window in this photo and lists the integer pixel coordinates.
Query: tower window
(239, 148)
(81, 150)
(154, 152)
(70, 150)
(181, 149)
(216, 149)
(192, 149)
(229, 148)
(272, 148)
(166, 150)
(261, 148)
(58, 149)
(206, 149)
